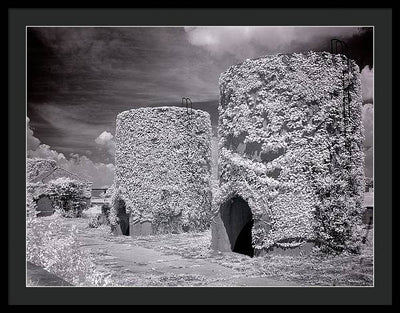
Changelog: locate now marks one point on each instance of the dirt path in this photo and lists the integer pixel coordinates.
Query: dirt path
(135, 265)
(187, 260)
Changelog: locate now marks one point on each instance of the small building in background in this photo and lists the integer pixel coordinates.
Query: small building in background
(44, 206)
(40, 172)
(368, 205)
(99, 196)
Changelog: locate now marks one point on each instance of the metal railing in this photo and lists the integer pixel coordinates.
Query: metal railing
(335, 43)
(340, 47)
(187, 102)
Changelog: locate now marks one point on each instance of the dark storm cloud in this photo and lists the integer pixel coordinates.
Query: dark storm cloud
(79, 79)
(85, 76)
(144, 64)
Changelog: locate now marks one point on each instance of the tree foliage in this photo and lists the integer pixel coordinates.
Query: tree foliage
(68, 196)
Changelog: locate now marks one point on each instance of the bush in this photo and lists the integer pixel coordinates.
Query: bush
(68, 196)
(105, 209)
(102, 218)
(94, 222)
(30, 205)
(58, 251)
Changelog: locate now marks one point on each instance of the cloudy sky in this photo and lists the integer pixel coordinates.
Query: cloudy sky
(79, 79)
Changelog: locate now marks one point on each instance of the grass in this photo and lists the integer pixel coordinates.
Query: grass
(308, 270)
(30, 282)
(54, 245)
(311, 270)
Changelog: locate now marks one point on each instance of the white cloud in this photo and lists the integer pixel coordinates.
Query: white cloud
(248, 42)
(31, 141)
(368, 122)
(367, 83)
(105, 140)
(44, 152)
(100, 174)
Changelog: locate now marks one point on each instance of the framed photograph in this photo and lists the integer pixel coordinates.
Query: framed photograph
(182, 156)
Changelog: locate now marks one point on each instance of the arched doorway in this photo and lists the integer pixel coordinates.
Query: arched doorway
(123, 217)
(238, 221)
(44, 206)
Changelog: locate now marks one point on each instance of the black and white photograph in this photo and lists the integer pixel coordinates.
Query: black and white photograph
(199, 156)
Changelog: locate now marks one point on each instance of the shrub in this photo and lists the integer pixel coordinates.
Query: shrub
(68, 196)
(58, 251)
(102, 218)
(105, 209)
(94, 222)
(36, 167)
(30, 205)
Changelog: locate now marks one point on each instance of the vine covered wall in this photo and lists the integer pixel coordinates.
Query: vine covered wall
(163, 167)
(291, 145)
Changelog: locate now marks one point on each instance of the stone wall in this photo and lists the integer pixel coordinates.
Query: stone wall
(163, 167)
(291, 146)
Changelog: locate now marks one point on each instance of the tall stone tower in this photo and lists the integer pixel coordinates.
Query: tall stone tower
(163, 170)
(291, 155)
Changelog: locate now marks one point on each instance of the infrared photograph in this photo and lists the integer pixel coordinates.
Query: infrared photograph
(199, 156)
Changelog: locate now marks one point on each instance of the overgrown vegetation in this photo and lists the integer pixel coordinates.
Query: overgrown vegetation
(102, 218)
(68, 196)
(163, 168)
(104, 251)
(291, 146)
(314, 269)
(55, 247)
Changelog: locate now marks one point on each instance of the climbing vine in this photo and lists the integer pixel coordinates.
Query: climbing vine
(163, 167)
(289, 150)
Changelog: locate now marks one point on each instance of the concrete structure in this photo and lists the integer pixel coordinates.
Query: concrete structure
(368, 206)
(163, 168)
(290, 152)
(99, 197)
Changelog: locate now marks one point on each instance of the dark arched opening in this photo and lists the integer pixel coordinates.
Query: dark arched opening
(243, 242)
(238, 221)
(123, 217)
(44, 206)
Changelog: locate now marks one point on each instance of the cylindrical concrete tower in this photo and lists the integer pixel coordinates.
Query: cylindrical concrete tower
(291, 156)
(163, 168)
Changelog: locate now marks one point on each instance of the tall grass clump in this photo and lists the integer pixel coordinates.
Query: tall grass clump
(58, 251)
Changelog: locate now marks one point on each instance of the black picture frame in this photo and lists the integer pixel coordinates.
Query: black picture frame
(380, 293)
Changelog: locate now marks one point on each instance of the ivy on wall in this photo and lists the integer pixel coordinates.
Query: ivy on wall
(163, 167)
(291, 145)
(68, 196)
